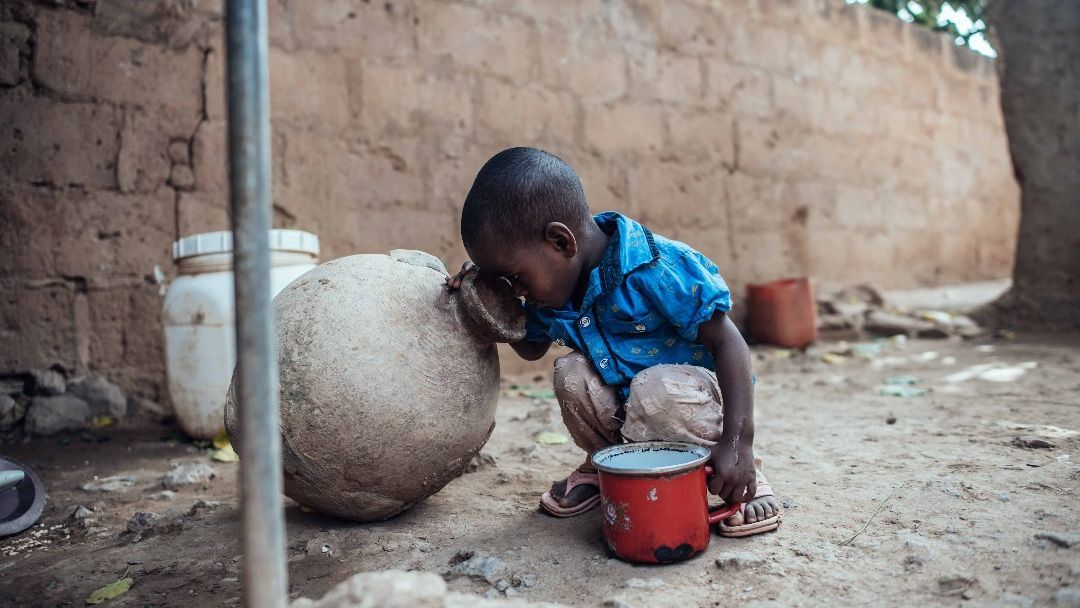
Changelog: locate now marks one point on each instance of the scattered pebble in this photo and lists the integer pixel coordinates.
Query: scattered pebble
(1013, 599)
(648, 584)
(40, 537)
(1067, 596)
(145, 523)
(734, 560)
(527, 581)
(187, 473)
(1033, 443)
(788, 503)
(109, 484)
(1061, 539)
(479, 566)
(953, 585)
(481, 461)
(203, 505)
(81, 513)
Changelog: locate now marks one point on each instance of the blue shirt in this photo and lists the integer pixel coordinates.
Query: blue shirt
(643, 305)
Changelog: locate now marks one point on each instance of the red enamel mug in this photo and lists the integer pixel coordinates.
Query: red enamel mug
(654, 500)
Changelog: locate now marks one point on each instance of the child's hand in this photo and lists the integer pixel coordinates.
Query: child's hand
(734, 478)
(454, 282)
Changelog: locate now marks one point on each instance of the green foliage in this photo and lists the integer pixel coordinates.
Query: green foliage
(940, 15)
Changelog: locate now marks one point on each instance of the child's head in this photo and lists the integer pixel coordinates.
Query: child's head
(522, 220)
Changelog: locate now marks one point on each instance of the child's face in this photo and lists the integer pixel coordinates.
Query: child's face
(544, 274)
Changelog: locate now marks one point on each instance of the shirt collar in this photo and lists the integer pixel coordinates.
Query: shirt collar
(631, 246)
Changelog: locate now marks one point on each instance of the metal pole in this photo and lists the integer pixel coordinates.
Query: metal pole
(264, 573)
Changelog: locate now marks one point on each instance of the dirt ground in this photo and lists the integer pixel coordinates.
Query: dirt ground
(963, 502)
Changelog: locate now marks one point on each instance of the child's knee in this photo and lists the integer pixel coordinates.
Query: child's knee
(571, 375)
(649, 384)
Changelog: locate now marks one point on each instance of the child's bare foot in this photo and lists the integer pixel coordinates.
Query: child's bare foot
(576, 494)
(762, 514)
(760, 509)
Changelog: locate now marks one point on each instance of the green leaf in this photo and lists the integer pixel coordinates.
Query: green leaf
(109, 592)
(551, 438)
(543, 393)
(225, 454)
(221, 440)
(102, 422)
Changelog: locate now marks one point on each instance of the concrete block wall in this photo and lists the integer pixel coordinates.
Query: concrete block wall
(780, 137)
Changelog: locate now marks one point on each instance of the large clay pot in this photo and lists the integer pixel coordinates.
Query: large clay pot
(389, 380)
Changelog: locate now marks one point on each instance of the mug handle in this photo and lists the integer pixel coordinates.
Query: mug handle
(727, 511)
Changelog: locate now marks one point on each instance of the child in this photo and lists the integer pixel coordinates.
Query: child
(653, 348)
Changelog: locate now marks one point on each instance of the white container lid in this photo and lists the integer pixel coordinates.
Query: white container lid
(222, 242)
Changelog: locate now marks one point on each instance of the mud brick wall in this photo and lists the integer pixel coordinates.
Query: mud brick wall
(780, 137)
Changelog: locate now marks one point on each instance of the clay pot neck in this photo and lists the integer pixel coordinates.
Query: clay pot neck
(491, 311)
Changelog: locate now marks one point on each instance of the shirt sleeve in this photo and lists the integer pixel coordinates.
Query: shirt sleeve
(686, 288)
(536, 329)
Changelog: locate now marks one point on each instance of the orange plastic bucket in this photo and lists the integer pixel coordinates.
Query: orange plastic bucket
(782, 313)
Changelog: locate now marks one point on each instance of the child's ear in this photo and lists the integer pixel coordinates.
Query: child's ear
(561, 238)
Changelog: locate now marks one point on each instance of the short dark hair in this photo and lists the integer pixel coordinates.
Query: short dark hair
(517, 193)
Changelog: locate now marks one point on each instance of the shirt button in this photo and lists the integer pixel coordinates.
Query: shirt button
(560, 342)
(603, 363)
(639, 327)
(584, 321)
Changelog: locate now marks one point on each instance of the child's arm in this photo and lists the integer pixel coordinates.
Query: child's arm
(530, 351)
(733, 455)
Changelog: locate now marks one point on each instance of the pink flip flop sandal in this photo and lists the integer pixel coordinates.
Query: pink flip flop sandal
(733, 527)
(549, 504)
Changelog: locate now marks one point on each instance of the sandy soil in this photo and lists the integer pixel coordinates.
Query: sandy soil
(963, 502)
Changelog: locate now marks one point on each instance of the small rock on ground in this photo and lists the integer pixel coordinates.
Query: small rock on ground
(12, 411)
(186, 474)
(1013, 599)
(481, 461)
(1067, 596)
(144, 523)
(104, 397)
(953, 585)
(81, 513)
(51, 415)
(1061, 539)
(139, 407)
(397, 589)
(1034, 443)
(203, 505)
(644, 583)
(479, 566)
(732, 560)
(48, 382)
(109, 484)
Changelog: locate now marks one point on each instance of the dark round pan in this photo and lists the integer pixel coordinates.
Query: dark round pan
(22, 504)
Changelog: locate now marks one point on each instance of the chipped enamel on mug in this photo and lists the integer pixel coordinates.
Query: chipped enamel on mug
(654, 500)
